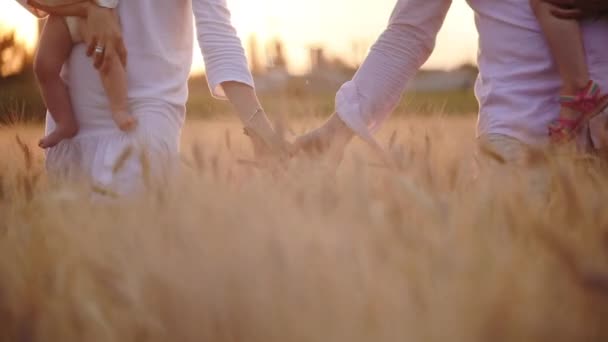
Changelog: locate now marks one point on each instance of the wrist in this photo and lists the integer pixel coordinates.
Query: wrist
(339, 128)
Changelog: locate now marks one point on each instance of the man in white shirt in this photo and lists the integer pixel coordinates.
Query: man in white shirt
(517, 86)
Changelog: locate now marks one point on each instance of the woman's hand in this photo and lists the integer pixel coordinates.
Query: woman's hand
(578, 9)
(266, 141)
(104, 37)
(329, 139)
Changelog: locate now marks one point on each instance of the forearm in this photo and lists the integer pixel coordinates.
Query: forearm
(401, 50)
(228, 73)
(221, 47)
(79, 9)
(366, 101)
(250, 112)
(243, 98)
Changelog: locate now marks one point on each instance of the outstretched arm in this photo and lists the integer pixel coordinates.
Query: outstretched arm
(364, 103)
(227, 68)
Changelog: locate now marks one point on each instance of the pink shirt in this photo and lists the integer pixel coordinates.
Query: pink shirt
(518, 84)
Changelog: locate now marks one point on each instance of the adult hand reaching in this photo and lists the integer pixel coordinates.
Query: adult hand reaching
(104, 38)
(578, 9)
(330, 139)
(268, 144)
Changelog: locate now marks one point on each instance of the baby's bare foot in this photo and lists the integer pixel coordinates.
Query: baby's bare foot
(125, 121)
(62, 131)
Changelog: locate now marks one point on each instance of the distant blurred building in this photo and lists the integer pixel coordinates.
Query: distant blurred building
(277, 55)
(325, 74)
(254, 58)
(318, 63)
(442, 80)
(328, 74)
(275, 76)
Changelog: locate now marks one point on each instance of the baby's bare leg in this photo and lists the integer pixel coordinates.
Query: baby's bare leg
(114, 80)
(54, 49)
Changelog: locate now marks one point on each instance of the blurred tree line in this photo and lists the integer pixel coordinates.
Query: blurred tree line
(19, 95)
(301, 96)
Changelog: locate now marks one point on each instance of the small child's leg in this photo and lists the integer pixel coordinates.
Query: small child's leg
(54, 49)
(581, 97)
(114, 80)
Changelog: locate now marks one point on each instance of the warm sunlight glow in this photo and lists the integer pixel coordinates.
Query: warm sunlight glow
(344, 28)
(15, 18)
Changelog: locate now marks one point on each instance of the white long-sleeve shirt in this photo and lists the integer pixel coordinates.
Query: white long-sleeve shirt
(517, 86)
(159, 37)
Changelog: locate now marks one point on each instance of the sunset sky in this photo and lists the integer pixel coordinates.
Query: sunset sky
(335, 24)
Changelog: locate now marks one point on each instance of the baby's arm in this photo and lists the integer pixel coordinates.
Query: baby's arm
(53, 51)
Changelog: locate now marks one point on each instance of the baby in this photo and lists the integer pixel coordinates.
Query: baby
(56, 41)
(581, 98)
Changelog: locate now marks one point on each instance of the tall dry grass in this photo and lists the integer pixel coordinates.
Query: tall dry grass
(433, 252)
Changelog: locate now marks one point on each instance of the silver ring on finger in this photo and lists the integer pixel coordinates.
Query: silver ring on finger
(99, 50)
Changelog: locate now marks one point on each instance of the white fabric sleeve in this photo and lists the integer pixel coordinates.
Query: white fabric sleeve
(222, 50)
(365, 102)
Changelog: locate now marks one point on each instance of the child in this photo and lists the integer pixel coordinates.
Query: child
(581, 98)
(56, 41)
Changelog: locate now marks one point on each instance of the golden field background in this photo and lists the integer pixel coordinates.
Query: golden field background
(439, 250)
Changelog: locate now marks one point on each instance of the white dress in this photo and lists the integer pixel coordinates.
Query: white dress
(159, 38)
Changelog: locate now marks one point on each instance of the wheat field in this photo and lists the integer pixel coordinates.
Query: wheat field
(438, 250)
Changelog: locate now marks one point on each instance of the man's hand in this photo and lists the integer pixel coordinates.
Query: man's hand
(578, 9)
(104, 37)
(330, 140)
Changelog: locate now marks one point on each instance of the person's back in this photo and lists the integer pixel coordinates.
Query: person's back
(159, 42)
(518, 85)
(159, 38)
(517, 88)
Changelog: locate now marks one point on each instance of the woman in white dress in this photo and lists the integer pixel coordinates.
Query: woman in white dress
(158, 35)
